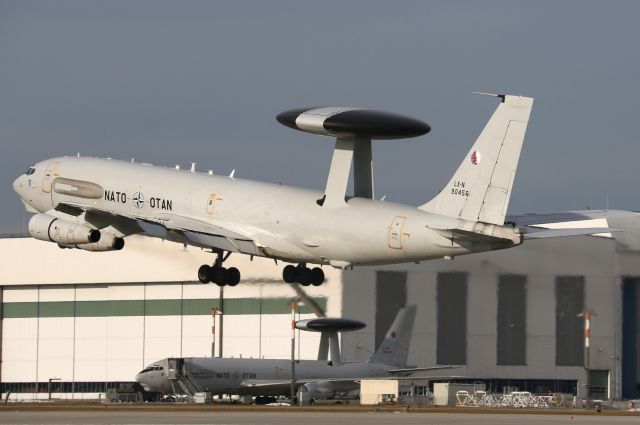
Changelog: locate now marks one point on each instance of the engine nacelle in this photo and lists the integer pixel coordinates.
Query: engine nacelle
(108, 242)
(52, 229)
(312, 391)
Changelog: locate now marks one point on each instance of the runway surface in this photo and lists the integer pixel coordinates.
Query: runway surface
(302, 418)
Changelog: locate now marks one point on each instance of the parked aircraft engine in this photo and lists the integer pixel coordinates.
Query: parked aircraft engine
(312, 391)
(108, 242)
(52, 229)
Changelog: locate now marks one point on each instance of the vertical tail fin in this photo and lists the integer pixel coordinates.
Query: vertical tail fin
(394, 350)
(480, 188)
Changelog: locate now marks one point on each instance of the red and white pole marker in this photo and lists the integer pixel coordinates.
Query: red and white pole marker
(213, 331)
(587, 328)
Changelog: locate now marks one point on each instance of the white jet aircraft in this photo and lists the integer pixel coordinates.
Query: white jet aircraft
(93, 203)
(319, 378)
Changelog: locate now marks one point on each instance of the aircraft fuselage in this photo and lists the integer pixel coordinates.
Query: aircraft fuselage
(244, 376)
(286, 221)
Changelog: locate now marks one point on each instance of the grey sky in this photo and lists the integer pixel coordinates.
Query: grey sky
(174, 82)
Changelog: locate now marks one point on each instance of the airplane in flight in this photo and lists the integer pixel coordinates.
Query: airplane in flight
(94, 203)
(320, 378)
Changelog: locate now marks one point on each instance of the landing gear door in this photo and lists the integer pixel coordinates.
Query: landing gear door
(50, 173)
(395, 232)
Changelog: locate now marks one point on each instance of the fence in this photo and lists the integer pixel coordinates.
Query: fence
(519, 399)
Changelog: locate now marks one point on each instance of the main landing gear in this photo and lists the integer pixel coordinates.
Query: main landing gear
(217, 274)
(303, 275)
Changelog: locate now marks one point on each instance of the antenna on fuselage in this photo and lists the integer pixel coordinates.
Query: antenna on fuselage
(354, 129)
(329, 327)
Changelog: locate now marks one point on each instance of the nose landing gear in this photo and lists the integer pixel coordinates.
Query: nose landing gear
(217, 274)
(303, 275)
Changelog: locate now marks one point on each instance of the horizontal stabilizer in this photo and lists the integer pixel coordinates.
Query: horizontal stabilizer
(480, 233)
(532, 233)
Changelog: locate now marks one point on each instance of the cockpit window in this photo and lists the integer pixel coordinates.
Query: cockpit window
(30, 171)
(152, 368)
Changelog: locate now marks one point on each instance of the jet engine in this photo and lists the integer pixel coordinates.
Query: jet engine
(52, 229)
(108, 242)
(311, 391)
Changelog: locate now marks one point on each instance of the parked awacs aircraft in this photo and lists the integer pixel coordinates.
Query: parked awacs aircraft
(93, 203)
(263, 377)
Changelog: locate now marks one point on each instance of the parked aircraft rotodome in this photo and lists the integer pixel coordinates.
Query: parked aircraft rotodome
(94, 203)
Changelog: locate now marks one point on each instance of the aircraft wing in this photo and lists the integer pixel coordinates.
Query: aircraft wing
(284, 384)
(411, 370)
(101, 219)
(208, 234)
(179, 228)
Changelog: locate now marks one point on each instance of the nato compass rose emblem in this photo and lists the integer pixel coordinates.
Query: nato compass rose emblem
(138, 200)
(475, 158)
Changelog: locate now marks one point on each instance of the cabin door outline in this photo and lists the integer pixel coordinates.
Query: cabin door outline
(396, 232)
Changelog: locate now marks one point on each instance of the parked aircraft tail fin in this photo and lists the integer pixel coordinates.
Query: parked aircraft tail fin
(394, 350)
(480, 188)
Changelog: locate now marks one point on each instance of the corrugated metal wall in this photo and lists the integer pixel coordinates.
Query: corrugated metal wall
(514, 317)
(110, 332)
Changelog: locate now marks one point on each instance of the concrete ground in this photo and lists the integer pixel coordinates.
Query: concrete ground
(112, 416)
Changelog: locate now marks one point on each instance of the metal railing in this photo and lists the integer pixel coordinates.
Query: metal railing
(519, 399)
(183, 383)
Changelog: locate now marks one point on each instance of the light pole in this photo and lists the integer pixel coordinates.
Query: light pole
(586, 313)
(221, 312)
(293, 350)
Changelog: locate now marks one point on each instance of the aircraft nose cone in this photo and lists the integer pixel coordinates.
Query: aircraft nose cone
(18, 184)
(142, 381)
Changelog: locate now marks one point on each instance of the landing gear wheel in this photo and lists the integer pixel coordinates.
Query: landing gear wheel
(204, 273)
(290, 274)
(317, 276)
(304, 276)
(218, 275)
(232, 276)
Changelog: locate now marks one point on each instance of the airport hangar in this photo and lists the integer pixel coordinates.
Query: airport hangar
(80, 322)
